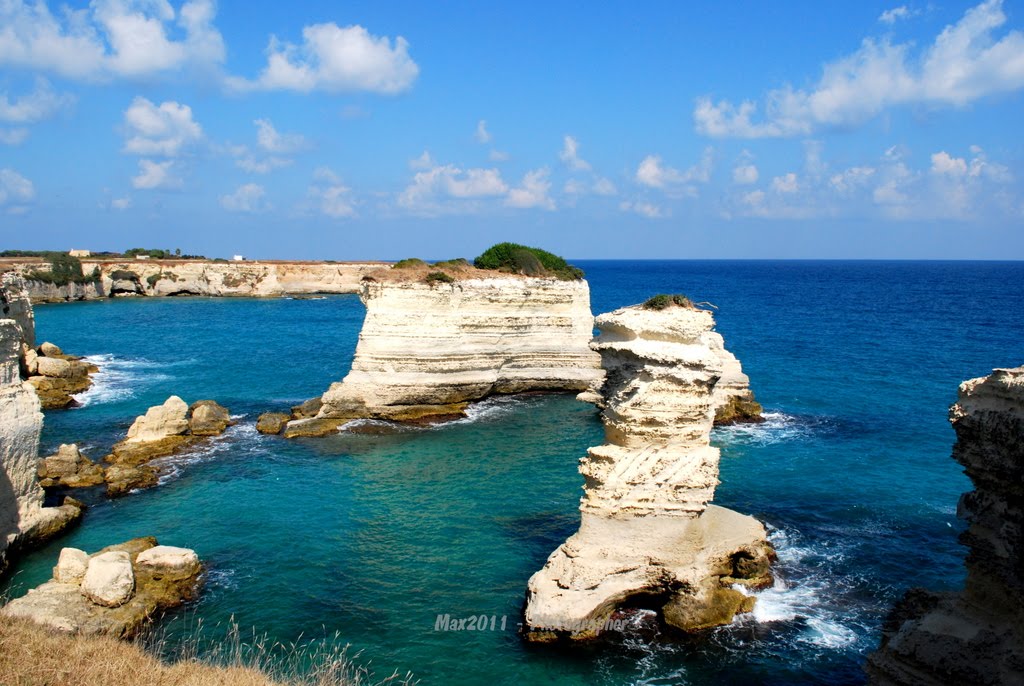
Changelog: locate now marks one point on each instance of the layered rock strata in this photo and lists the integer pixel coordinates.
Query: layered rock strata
(733, 400)
(164, 430)
(24, 521)
(114, 591)
(647, 534)
(69, 468)
(426, 350)
(975, 636)
(56, 377)
(198, 277)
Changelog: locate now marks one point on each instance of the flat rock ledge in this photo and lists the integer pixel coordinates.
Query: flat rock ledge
(114, 591)
(55, 376)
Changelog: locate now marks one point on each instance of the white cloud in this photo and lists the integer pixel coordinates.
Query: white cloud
(163, 130)
(497, 155)
(268, 138)
(785, 184)
(745, 174)
(265, 165)
(15, 191)
(156, 175)
(41, 103)
(111, 38)
(424, 161)
(532, 191)
(15, 136)
(482, 135)
(121, 203)
(967, 61)
(570, 155)
(335, 59)
(603, 186)
(643, 208)
(249, 198)
(851, 179)
(330, 196)
(429, 189)
(943, 163)
(896, 13)
(654, 174)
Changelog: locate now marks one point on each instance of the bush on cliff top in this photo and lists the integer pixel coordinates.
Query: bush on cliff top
(662, 301)
(438, 277)
(522, 259)
(64, 269)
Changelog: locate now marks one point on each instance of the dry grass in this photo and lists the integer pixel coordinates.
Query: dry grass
(31, 655)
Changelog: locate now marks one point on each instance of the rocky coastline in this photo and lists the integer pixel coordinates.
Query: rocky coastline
(164, 278)
(648, 536)
(428, 349)
(976, 635)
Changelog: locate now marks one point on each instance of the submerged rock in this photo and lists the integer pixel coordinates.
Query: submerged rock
(647, 535)
(114, 591)
(975, 636)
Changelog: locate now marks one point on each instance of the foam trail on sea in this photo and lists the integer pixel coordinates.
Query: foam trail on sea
(118, 379)
(777, 427)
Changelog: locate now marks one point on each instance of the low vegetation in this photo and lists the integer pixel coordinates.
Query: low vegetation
(438, 277)
(409, 263)
(158, 254)
(662, 301)
(31, 655)
(124, 275)
(522, 259)
(64, 269)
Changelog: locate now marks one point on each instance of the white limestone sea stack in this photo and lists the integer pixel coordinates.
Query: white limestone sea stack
(647, 535)
(428, 349)
(23, 519)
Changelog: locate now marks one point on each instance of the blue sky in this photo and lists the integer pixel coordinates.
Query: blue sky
(597, 130)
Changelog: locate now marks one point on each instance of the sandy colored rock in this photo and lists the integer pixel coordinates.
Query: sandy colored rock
(69, 468)
(71, 566)
(428, 348)
(310, 408)
(646, 529)
(109, 579)
(976, 635)
(272, 422)
(208, 418)
(62, 605)
(48, 349)
(167, 561)
(30, 360)
(160, 421)
(24, 522)
(123, 479)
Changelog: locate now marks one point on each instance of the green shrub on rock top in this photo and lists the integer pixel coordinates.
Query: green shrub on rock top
(662, 301)
(64, 269)
(522, 259)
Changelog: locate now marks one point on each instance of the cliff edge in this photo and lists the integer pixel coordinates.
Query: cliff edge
(975, 636)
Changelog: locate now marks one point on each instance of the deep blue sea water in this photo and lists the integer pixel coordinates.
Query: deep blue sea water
(373, 536)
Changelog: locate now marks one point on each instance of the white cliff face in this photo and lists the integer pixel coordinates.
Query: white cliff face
(22, 516)
(974, 636)
(646, 528)
(428, 349)
(202, 277)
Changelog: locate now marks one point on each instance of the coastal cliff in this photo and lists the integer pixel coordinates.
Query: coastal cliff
(647, 535)
(195, 277)
(427, 349)
(975, 636)
(23, 519)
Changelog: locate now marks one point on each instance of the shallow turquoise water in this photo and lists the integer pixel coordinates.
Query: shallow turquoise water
(374, 536)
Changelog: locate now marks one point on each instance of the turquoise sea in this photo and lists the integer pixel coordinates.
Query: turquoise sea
(373, 536)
